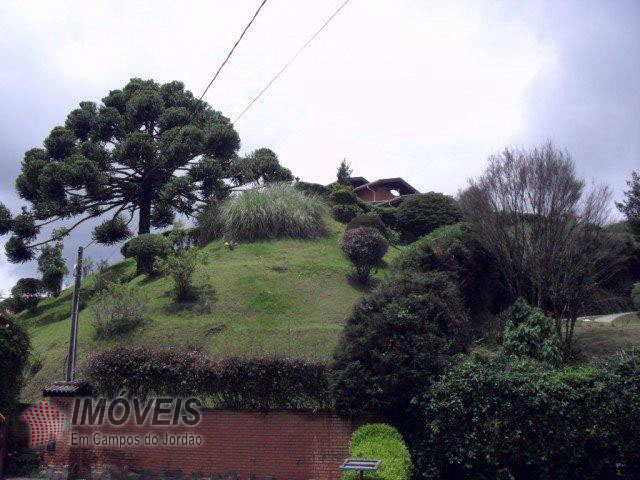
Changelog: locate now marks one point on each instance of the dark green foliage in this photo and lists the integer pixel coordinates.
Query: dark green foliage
(278, 210)
(381, 442)
(24, 225)
(5, 219)
(490, 418)
(313, 189)
(17, 250)
(364, 247)
(146, 248)
(344, 172)
(26, 293)
(181, 266)
(53, 268)
(389, 215)
(14, 352)
(454, 248)
(260, 167)
(421, 214)
(528, 332)
(370, 220)
(117, 309)
(395, 344)
(343, 194)
(238, 383)
(112, 231)
(635, 296)
(344, 213)
(630, 207)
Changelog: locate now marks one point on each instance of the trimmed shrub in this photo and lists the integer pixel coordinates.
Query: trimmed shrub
(497, 417)
(118, 309)
(343, 195)
(528, 332)
(395, 343)
(146, 248)
(370, 220)
(238, 383)
(381, 442)
(26, 294)
(421, 214)
(388, 215)
(344, 213)
(278, 210)
(14, 352)
(313, 189)
(635, 296)
(364, 247)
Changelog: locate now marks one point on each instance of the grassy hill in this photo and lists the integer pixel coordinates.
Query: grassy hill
(285, 297)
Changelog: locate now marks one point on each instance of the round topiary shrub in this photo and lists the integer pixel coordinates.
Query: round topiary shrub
(145, 248)
(395, 343)
(381, 442)
(365, 247)
(421, 214)
(528, 332)
(635, 296)
(343, 195)
(344, 213)
(370, 220)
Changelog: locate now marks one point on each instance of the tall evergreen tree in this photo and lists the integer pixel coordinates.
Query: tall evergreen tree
(344, 172)
(630, 207)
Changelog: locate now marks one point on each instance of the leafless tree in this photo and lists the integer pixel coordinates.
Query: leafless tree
(545, 231)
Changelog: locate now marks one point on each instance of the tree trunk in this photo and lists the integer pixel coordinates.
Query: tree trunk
(144, 224)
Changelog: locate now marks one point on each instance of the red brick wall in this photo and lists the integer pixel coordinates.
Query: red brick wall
(284, 445)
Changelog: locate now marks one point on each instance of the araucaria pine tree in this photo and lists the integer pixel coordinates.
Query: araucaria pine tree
(148, 149)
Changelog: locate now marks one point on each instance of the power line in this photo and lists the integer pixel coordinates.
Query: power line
(291, 60)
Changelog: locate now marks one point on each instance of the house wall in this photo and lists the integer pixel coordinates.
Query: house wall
(282, 444)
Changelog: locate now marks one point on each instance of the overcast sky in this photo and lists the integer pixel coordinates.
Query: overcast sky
(421, 89)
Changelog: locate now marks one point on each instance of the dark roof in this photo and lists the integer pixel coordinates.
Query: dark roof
(67, 389)
(392, 182)
(354, 181)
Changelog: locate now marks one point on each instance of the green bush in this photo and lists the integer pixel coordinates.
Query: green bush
(528, 332)
(278, 210)
(343, 195)
(380, 441)
(370, 220)
(146, 248)
(395, 342)
(344, 213)
(635, 296)
(364, 247)
(26, 294)
(313, 189)
(498, 417)
(181, 267)
(388, 215)
(209, 224)
(236, 383)
(118, 309)
(421, 214)
(14, 352)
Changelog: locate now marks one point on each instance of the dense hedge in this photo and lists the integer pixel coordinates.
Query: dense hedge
(493, 417)
(395, 343)
(421, 214)
(14, 351)
(344, 213)
(239, 383)
(370, 220)
(381, 442)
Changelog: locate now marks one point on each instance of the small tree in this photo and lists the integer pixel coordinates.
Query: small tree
(26, 293)
(53, 268)
(146, 248)
(344, 172)
(365, 247)
(630, 207)
(545, 232)
(181, 266)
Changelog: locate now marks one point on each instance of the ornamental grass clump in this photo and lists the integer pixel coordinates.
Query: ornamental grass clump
(276, 211)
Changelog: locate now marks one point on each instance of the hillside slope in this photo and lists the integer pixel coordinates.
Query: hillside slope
(285, 297)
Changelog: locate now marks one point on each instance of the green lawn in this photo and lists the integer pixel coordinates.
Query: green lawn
(285, 297)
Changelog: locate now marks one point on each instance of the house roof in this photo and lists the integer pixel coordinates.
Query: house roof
(396, 183)
(354, 181)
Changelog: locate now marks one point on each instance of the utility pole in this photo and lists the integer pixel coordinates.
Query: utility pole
(73, 333)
